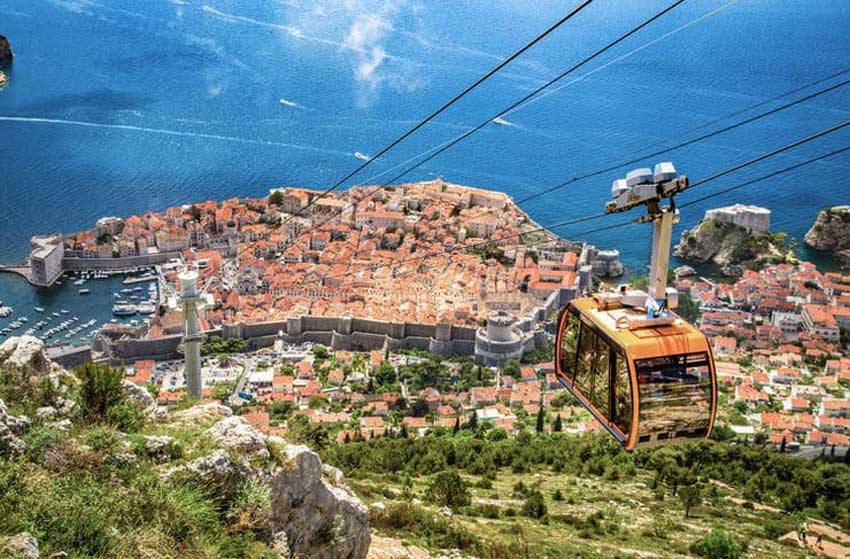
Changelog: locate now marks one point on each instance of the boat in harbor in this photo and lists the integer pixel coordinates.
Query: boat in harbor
(123, 309)
(5, 311)
(138, 279)
(39, 309)
(85, 291)
(146, 307)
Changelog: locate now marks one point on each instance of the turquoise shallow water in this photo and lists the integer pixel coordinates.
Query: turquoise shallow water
(119, 107)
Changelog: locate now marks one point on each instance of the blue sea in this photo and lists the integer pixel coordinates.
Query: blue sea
(117, 107)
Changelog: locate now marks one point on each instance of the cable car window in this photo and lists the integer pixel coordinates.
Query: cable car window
(601, 376)
(675, 395)
(623, 395)
(583, 377)
(569, 341)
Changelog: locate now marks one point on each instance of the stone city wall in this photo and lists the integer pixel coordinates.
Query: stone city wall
(74, 263)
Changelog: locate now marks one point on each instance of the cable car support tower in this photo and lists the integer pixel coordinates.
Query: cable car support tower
(643, 187)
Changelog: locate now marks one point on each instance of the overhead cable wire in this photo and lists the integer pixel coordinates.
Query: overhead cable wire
(686, 143)
(626, 55)
(535, 92)
(738, 186)
(591, 217)
(645, 156)
(453, 100)
(703, 137)
(433, 152)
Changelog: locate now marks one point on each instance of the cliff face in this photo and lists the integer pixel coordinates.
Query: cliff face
(733, 249)
(831, 231)
(5, 51)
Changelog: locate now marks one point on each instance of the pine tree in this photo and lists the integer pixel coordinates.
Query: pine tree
(540, 419)
(473, 421)
(347, 438)
(782, 446)
(557, 427)
(457, 426)
(403, 432)
(847, 456)
(370, 388)
(832, 451)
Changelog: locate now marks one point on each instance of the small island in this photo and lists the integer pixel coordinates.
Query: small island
(6, 54)
(6, 57)
(735, 238)
(831, 232)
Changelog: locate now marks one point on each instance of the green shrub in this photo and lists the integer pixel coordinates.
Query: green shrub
(101, 389)
(774, 529)
(534, 505)
(436, 530)
(718, 544)
(447, 488)
(484, 483)
(102, 438)
(128, 417)
(39, 438)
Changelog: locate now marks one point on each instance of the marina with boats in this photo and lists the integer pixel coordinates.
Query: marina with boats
(80, 303)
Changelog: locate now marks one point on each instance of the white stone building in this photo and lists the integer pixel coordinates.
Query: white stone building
(753, 218)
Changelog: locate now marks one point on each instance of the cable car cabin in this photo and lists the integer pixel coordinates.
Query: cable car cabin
(647, 385)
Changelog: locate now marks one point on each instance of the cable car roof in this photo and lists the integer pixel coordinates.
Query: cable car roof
(646, 342)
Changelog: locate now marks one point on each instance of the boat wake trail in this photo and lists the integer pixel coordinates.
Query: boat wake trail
(167, 132)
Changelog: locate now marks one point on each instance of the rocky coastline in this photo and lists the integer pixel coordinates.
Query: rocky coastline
(6, 57)
(6, 54)
(831, 232)
(732, 248)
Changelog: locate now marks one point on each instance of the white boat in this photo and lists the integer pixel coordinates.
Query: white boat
(79, 282)
(146, 308)
(85, 291)
(56, 314)
(5, 311)
(39, 309)
(123, 310)
(361, 156)
(63, 311)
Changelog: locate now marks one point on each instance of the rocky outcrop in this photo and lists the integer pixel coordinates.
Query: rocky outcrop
(19, 546)
(200, 414)
(6, 55)
(236, 434)
(731, 248)
(161, 448)
(24, 351)
(222, 473)
(313, 512)
(139, 394)
(321, 520)
(831, 231)
(12, 428)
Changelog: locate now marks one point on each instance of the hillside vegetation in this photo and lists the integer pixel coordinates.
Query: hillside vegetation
(566, 496)
(89, 468)
(96, 472)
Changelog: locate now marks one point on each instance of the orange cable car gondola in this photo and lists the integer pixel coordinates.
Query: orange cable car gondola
(644, 373)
